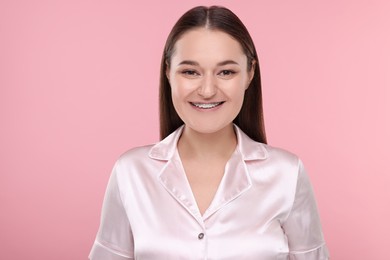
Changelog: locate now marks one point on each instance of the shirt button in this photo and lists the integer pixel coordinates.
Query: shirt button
(201, 236)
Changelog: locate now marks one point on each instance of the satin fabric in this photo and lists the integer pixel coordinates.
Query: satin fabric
(264, 208)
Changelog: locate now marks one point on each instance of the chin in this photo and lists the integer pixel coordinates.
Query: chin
(210, 128)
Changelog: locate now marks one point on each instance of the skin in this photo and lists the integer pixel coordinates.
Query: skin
(208, 75)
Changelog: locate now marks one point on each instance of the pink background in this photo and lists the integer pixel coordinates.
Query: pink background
(78, 87)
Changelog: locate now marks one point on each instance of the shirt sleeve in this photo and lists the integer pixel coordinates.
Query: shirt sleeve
(114, 240)
(302, 227)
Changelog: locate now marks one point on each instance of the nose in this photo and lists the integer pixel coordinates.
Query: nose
(208, 87)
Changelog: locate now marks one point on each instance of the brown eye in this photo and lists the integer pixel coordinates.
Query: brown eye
(226, 73)
(189, 72)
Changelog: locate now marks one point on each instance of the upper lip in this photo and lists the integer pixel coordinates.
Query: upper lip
(206, 105)
(201, 102)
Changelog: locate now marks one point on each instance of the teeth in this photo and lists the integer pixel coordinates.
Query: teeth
(207, 105)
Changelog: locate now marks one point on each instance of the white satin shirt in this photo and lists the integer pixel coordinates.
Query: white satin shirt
(264, 208)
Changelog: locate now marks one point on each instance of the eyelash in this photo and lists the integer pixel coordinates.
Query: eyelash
(195, 73)
(190, 72)
(227, 72)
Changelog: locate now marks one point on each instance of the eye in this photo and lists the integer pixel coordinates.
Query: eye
(191, 73)
(227, 73)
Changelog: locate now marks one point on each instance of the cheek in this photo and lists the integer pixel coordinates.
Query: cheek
(176, 91)
(237, 94)
(181, 88)
(237, 88)
(179, 93)
(239, 100)
(175, 95)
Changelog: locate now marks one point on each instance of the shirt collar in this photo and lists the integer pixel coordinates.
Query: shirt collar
(250, 149)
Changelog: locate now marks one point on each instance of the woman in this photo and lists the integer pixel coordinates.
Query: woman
(212, 188)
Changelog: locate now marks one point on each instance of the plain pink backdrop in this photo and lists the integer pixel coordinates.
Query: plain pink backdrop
(79, 86)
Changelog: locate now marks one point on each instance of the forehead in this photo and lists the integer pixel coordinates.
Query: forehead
(207, 44)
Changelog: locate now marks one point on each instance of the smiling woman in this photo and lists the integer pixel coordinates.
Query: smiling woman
(212, 188)
(208, 73)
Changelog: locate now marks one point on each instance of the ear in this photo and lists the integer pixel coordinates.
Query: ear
(167, 70)
(251, 72)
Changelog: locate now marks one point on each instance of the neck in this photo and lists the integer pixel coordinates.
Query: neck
(193, 144)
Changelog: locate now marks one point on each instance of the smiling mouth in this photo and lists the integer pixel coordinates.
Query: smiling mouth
(206, 105)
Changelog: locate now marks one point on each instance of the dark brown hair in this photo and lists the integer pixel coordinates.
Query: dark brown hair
(250, 118)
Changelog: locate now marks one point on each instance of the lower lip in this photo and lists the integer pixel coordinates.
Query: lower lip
(207, 109)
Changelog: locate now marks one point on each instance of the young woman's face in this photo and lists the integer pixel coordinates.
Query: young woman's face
(208, 75)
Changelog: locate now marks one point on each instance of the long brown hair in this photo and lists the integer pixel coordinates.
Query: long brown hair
(250, 118)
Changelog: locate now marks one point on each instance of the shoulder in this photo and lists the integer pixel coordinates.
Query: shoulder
(255, 151)
(149, 157)
(140, 153)
(277, 160)
(280, 154)
(136, 152)
(134, 156)
(135, 166)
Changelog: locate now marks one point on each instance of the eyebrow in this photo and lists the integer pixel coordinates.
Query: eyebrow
(194, 63)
